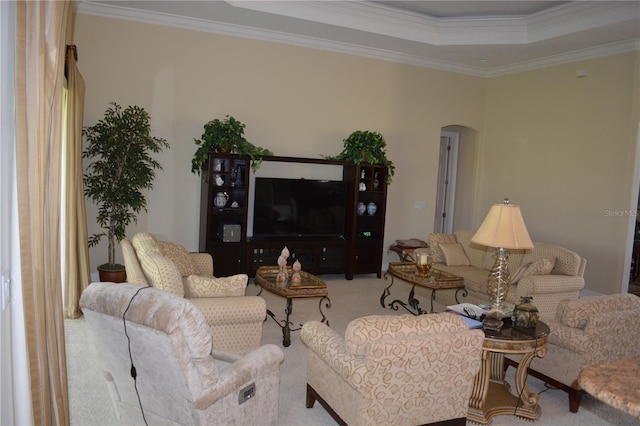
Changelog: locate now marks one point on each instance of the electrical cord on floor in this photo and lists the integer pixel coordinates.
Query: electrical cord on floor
(519, 400)
(134, 374)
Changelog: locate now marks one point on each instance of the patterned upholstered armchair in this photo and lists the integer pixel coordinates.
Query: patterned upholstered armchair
(235, 319)
(587, 331)
(393, 370)
(180, 379)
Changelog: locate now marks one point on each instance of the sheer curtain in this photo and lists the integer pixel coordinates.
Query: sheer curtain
(76, 253)
(40, 52)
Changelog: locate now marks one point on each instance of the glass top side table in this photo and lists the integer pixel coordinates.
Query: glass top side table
(491, 394)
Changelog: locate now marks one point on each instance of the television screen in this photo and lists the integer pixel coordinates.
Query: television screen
(299, 208)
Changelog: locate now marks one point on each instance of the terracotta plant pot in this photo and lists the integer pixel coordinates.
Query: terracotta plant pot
(224, 149)
(109, 274)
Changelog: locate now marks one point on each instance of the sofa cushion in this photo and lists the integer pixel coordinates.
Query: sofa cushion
(454, 254)
(519, 273)
(540, 267)
(202, 286)
(435, 240)
(476, 253)
(179, 256)
(159, 270)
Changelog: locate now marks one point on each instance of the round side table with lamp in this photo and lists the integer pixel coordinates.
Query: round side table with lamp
(491, 394)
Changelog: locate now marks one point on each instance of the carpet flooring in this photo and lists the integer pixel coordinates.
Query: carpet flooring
(90, 403)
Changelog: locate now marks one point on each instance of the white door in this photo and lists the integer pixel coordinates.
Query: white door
(447, 171)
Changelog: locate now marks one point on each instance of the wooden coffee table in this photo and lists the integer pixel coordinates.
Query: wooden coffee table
(310, 286)
(436, 280)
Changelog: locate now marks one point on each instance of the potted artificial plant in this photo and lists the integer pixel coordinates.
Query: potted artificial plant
(119, 148)
(363, 146)
(225, 136)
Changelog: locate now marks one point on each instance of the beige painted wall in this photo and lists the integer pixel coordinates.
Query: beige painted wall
(294, 101)
(564, 148)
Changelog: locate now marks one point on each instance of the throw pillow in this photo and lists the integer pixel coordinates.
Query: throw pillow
(454, 254)
(538, 267)
(435, 240)
(519, 273)
(200, 286)
(541, 267)
(158, 269)
(179, 256)
(145, 242)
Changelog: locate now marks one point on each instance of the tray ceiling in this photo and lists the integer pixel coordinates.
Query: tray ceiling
(484, 38)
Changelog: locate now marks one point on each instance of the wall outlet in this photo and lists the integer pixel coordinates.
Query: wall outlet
(420, 205)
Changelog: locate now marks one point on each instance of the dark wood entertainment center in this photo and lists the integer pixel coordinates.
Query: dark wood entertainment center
(224, 213)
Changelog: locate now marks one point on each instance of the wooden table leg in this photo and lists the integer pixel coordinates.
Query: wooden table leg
(491, 394)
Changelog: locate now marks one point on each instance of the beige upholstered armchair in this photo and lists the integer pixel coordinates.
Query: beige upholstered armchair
(179, 379)
(235, 319)
(587, 331)
(393, 370)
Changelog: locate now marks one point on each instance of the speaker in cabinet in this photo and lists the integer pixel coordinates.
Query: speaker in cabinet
(231, 233)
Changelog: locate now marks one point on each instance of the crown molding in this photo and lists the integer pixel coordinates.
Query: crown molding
(380, 19)
(206, 25)
(579, 55)
(579, 16)
(375, 18)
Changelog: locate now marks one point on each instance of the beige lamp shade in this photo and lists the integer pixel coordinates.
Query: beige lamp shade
(504, 228)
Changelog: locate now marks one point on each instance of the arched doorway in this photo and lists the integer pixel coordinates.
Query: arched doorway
(447, 172)
(457, 169)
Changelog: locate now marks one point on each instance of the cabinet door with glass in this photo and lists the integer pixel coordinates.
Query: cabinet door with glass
(223, 212)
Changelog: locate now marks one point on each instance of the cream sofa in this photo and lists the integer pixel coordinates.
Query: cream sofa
(393, 370)
(564, 282)
(584, 332)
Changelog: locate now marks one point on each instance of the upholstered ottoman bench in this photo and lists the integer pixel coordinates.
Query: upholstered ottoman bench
(616, 383)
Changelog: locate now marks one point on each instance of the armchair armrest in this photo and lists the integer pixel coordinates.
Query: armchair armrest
(235, 322)
(232, 310)
(329, 346)
(548, 290)
(570, 338)
(548, 284)
(203, 262)
(606, 336)
(613, 335)
(259, 362)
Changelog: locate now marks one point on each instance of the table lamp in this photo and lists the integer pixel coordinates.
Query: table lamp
(502, 229)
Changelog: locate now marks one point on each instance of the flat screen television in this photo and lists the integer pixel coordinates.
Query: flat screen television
(298, 208)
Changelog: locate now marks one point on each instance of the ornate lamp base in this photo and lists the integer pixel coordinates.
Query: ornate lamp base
(498, 288)
(492, 321)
